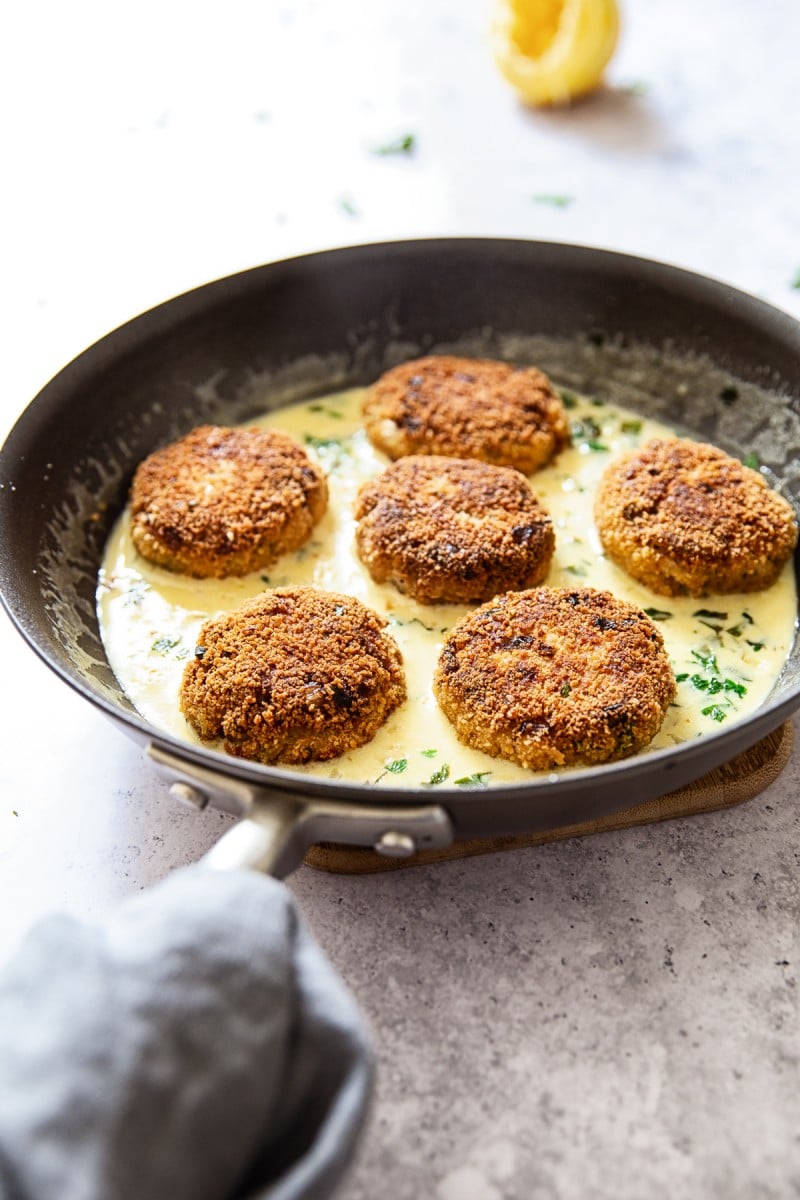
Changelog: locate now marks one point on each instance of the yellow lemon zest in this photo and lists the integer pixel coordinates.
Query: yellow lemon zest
(553, 50)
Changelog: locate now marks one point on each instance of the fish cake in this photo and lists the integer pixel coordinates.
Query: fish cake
(221, 502)
(552, 677)
(453, 530)
(467, 408)
(684, 518)
(295, 676)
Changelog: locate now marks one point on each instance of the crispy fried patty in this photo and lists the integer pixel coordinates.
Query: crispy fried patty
(223, 502)
(296, 675)
(452, 530)
(685, 518)
(467, 408)
(551, 677)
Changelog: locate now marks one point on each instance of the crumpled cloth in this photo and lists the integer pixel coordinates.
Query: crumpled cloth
(194, 1044)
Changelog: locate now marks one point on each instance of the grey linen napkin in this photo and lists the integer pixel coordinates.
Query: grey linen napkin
(194, 1044)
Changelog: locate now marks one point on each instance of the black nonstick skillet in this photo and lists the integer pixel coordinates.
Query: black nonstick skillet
(720, 364)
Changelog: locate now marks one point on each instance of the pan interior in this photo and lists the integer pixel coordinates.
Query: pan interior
(122, 405)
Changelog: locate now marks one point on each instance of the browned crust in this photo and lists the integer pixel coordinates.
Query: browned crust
(296, 675)
(467, 408)
(221, 502)
(452, 530)
(552, 676)
(684, 518)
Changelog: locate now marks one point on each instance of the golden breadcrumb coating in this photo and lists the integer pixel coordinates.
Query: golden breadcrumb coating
(552, 676)
(684, 518)
(452, 529)
(467, 408)
(221, 502)
(296, 675)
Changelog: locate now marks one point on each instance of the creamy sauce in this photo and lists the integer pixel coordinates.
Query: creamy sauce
(726, 651)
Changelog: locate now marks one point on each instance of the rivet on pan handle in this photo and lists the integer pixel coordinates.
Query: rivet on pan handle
(277, 828)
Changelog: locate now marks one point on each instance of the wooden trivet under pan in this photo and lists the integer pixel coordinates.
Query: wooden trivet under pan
(739, 780)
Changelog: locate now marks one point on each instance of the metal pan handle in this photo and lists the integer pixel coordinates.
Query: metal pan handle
(277, 828)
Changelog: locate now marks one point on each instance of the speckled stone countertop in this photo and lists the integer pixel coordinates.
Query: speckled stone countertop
(608, 1017)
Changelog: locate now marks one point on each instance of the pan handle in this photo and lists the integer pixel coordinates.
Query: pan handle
(278, 827)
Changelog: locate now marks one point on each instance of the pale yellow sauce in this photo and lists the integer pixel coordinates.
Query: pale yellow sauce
(150, 618)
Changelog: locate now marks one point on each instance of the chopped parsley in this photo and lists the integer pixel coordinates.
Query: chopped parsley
(715, 712)
(753, 461)
(397, 766)
(707, 660)
(429, 753)
(320, 443)
(477, 779)
(710, 614)
(326, 410)
(568, 398)
(555, 200)
(163, 645)
(404, 144)
(438, 776)
(566, 688)
(631, 426)
(658, 614)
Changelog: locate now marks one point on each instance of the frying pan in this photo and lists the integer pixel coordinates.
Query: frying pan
(674, 345)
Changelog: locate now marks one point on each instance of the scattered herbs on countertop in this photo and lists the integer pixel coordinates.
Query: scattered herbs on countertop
(553, 199)
(405, 144)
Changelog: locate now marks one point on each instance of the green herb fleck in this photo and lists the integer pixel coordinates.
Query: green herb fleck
(347, 206)
(746, 617)
(658, 614)
(397, 766)
(755, 645)
(593, 445)
(264, 579)
(734, 630)
(752, 461)
(555, 200)
(328, 412)
(439, 776)
(429, 753)
(566, 688)
(731, 685)
(682, 677)
(400, 145)
(163, 645)
(320, 443)
(710, 614)
(568, 399)
(707, 659)
(631, 426)
(585, 430)
(477, 779)
(575, 570)
(715, 712)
